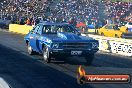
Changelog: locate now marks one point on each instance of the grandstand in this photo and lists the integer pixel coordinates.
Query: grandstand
(81, 10)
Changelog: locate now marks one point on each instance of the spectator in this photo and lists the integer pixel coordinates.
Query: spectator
(28, 22)
(37, 21)
(21, 21)
(62, 10)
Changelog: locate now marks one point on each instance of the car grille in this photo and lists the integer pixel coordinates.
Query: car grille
(77, 45)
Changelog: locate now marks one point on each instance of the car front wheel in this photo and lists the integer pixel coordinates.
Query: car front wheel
(30, 50)
(46, 55)
(89, 59)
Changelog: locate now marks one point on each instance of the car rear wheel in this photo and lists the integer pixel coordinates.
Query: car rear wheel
(30, 49)
(46, 55)
(116, 36)
(89, 59)
(102, 34)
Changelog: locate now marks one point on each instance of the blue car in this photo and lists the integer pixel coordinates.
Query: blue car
(55, 40)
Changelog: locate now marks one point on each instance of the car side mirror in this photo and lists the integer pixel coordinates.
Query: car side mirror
(38, 33)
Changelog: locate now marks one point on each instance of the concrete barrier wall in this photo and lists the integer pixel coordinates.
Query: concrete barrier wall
(4, 23)
(114, 45)
(22, 29)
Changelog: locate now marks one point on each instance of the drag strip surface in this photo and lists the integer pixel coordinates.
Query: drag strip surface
(17, 67)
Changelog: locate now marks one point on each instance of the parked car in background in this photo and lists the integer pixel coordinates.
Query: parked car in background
(112, 30)
(60, 40)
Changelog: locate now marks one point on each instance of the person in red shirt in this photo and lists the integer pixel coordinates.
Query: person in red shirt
(28, 22)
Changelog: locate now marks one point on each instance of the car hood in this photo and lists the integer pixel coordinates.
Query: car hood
(67, 37)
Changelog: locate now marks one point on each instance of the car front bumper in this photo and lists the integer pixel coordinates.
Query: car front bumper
(66, 52)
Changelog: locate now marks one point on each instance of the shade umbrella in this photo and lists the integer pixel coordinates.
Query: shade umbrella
(81, 24)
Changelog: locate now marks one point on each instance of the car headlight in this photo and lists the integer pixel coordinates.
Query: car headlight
(95, 45)
(55, 45)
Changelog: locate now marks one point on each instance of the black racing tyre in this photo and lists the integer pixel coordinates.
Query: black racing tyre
(102, 34)
(30, 49)
(116, 36)
(46, 55)
(89, 59)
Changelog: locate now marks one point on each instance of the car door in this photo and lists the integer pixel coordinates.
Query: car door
(35, 36)
(38, 38)
(109, 31)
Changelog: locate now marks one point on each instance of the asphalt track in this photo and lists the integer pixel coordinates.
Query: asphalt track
(21, 70)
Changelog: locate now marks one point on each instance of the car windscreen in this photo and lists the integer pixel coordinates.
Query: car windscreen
(58, 28)
(130, 23)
